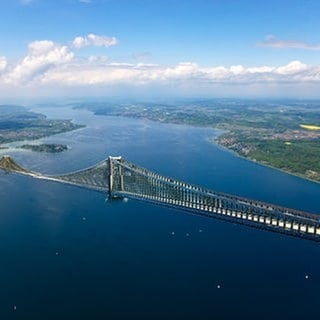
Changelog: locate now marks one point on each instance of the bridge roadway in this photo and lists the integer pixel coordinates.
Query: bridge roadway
(121, 179)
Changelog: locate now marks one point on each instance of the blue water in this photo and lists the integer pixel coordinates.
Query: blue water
(68, 254)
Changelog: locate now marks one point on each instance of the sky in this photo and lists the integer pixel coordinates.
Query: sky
(153, 48)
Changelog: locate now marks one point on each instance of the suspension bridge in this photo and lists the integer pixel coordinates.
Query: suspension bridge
(122, 179)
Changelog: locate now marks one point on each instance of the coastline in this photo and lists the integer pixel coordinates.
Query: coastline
(269, 134)
(16, 144)
(216, 141)
(260, 163)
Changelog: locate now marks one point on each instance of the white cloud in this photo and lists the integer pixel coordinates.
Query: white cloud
(293, 67)
(80, 42)
(272, 42)
(263, 69)
(236, 70)
(3, 63)
(85, 1)
(94, 40)
(216, 73)
(42, 55)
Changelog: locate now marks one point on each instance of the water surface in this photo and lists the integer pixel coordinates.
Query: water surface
(68, 254)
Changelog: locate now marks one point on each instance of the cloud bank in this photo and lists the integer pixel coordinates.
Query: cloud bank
(273, 42)
(50, 65)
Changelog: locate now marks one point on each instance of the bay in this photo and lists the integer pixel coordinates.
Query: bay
(66, 253)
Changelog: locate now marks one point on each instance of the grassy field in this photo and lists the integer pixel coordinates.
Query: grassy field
(299, 157)
(309, 127)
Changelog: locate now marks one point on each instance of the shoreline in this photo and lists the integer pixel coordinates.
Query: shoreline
(261, 163)
(16, 144)
(212, 140)
(215, 140)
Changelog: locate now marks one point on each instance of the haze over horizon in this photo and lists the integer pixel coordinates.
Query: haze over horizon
(94, 48)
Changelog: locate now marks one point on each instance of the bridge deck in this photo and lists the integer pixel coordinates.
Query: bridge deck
(132, 181)
(123, 179)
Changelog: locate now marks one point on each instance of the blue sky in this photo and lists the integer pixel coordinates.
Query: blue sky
(194, 47)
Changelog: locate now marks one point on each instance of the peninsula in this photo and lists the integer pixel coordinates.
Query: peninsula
(18, 123)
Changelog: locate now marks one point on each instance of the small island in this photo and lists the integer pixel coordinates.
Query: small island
(50, 148)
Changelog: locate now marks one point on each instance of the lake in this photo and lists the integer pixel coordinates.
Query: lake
(67, 253)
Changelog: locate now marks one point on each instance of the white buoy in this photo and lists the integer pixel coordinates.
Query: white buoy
(200, 230)
(187, 234)
(307, 276)
(57, 253)
(14, 308)
(218, 286)
(84, 218)
(172, 233)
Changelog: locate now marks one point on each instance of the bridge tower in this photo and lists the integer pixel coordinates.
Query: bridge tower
(115, 176)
